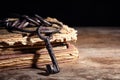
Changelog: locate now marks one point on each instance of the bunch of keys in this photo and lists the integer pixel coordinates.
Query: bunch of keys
(44, 30)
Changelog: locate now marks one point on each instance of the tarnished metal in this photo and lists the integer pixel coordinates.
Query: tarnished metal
(44, 30)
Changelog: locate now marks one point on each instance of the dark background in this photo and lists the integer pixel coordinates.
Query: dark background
(70, 12)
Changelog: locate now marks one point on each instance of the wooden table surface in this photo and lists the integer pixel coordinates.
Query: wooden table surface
(99, 59)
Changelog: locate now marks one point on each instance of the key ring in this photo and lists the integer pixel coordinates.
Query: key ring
(18, 25)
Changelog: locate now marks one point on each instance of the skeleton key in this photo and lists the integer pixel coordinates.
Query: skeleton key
(51, 69)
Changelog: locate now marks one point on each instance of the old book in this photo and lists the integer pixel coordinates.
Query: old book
(21, 51)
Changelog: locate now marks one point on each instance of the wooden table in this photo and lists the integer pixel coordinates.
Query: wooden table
(99, 59)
